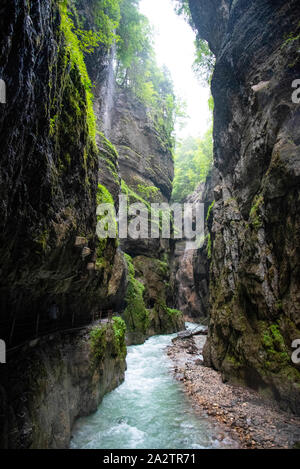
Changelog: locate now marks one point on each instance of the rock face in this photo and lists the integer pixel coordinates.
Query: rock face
(255, 271)
(145, 164)
(146, 169)
(54, 271)
(191, 267)
(51, 384)
(48, 177)
(55, 169)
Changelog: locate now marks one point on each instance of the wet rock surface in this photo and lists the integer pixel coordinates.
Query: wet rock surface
(48, 177)
(254, 274)
(51, 383)
(146, 168)
(191, 267)
(250, 419)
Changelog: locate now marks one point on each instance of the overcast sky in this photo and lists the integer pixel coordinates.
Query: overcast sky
(174, 46)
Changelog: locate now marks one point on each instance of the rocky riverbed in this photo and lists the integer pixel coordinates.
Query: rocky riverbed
(254, 421)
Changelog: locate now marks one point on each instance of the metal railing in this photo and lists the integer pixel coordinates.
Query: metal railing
(24, 329)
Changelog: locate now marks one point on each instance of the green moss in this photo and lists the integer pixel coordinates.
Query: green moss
(292, 37)
(104, 196)
(108, 334)
(68, 159)
(76, 60)
(109, 156)
(136, 315)
(163, 268)
(108, 147)
(72, 121)
(101, 262)
(150, 193)
(209, 245)
(277, 337)
(267, 340)
(170, 317)
(119, 329)
(232, 360)
(133, 197)
(98, 342)
(210, 209)
(173, 312)
(42, 240)
(53, 125)
(274, 345)
(255, 216)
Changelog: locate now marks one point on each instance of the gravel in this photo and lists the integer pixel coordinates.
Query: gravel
(251, 419)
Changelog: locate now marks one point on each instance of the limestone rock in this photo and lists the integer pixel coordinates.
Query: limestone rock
(255, 270)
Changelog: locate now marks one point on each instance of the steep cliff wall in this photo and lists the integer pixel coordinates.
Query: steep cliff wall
(55, 273)
(146, 168)
(53, 382)
(49, 179)
(255, 271)
(191, 267)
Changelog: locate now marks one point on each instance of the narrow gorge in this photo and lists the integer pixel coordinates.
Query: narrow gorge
(102, 335)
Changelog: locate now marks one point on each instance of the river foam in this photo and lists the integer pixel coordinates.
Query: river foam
(148, 411)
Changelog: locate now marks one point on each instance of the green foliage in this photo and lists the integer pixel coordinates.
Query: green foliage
(193, 163)
(133, 197)
(137, 71)
(173, 312)
(209, 245)
(76, 58)
(182, 7)
(88, 40)
(255, 215)
(211, 104)
(98, 342)
(274, 345)
(100, 335)
(204, 63)
(119, 329)
(104, 196)
(150, 193)
(106, 17)
(135, 315)
(292, 37)
(210, 209)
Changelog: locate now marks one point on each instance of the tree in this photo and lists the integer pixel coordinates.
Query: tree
(193, 163)
(204, 62)
(137, 71)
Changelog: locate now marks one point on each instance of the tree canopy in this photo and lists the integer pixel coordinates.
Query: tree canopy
(204, 62)
(193, 162)
(138, 71)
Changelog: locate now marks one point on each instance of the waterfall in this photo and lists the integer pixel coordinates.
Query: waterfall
(109, 95)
